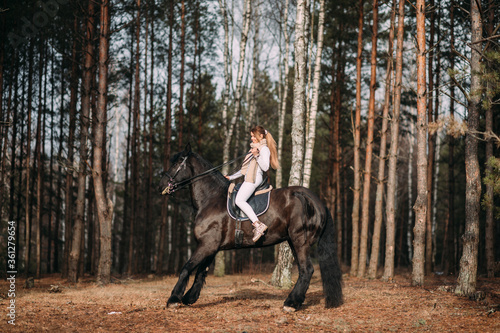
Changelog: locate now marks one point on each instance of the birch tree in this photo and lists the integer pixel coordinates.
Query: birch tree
(229, 130)
(282, 276)
(284, 95)
(467, 276)
(420, 206)
(390, 207)
(314, 102)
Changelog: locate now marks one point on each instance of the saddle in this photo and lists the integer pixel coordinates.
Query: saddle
(259, 201)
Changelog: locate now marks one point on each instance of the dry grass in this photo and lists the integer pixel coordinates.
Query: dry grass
(236, 304)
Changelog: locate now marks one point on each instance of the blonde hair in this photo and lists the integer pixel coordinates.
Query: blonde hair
(271, 144)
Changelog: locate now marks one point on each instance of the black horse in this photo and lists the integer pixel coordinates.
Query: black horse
(295, 215)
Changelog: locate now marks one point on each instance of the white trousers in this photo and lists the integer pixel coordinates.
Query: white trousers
(246, 190)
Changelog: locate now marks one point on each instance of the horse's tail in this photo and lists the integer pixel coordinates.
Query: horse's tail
(331, 274)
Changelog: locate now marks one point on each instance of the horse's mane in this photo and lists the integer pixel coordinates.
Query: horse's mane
(219, 180)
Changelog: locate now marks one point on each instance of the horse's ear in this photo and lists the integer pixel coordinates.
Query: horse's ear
(187, 149)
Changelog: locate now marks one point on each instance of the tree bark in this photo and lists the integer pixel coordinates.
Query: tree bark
(377, 227)
(284, 96)
(227, 76)
(74, 256)
(282, 276)
(134, 218)
(431, 143)
(357, 143)
(27, 254)
(168, 138)
(314, 103)
(181, 84)
(467, 277)
(390, 244)
(219, 269)
(104, 205)
(255, 72)
(365, 209)
(421, 201)
(451, 253)
(490, 223)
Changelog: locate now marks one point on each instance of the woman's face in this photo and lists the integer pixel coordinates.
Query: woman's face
(256, 137)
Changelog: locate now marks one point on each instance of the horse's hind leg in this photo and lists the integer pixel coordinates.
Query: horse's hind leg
(192, 295)
(198, 257)
(306, 269)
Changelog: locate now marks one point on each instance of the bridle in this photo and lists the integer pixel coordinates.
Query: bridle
(172, 186)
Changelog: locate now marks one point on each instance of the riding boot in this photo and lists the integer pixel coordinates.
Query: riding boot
(258, 230)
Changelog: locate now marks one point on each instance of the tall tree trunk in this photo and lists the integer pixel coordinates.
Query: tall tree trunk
(282, 276)
(437, 145)
(310, 139)
(490, 222)
(365, 209)
(168, 138)
(420, 207)
(68, 214)
(227, 76)
(126, 196)
(135, 146)
(337, 160)
(181, 78)
(255, 73)
(38, 153)
(239, 77)
(430, 143)
(377, 227)
(284, 96)
(357, 143)
(28, 162)
(390, 244)
(150, 137)
(74, 256)
(104, 206)
(219, 269)
(467, 277)
(451, 152)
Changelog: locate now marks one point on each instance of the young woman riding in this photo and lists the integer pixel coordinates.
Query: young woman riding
(261, 155)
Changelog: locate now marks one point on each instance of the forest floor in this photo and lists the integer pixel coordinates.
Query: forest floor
(246, 303)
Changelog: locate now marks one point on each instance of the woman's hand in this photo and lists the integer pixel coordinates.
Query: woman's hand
(227, 177)
(255, 152)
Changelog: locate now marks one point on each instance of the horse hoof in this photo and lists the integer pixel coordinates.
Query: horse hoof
(173, 305)
(289, 309)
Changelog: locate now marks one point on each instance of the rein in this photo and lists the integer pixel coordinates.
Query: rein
(172, 186)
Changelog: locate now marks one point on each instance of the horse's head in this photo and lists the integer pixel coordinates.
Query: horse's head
(177, 172)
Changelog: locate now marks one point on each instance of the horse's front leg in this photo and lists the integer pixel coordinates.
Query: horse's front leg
(200, 255)
(194, 293)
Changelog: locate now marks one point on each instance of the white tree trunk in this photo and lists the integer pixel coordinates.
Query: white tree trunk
(255, 72)
(227, 76)
(219, 259)
(311, 133)
(282, 275)
(281, 124)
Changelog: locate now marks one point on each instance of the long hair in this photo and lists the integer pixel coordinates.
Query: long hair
(271, 144)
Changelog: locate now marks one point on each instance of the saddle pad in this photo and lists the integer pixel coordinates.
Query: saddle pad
(259, 202)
